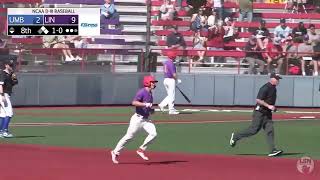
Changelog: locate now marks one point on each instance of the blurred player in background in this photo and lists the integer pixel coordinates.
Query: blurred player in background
(140, 120)
(262, 115)
(170, 79)
(7, 80)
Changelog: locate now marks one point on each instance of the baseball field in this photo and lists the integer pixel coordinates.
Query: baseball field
(74, 143)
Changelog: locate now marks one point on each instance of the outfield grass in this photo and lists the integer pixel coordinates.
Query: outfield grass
(296, 138)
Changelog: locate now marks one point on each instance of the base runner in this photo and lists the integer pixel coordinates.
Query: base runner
(140, 120)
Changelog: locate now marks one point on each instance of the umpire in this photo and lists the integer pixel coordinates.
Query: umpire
(262, 115)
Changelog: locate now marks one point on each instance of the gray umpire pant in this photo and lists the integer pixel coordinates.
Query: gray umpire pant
(260, 120)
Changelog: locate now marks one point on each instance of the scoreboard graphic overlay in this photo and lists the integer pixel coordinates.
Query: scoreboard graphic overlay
(53, 21)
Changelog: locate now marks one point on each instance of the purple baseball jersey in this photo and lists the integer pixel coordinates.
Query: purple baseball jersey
(170, 67)
(146, 97)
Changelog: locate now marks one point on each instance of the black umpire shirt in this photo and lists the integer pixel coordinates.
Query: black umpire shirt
(267, 93)
(7, 82)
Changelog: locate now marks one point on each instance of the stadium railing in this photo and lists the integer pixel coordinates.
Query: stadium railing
(237, 55)
(52, 59)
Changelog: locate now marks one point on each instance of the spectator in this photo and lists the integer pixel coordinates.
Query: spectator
(175, 40)
(215, 39)
(4, 53)
(179, 5)
(262, 35)
(108, 11)
(58, 42)
(253, 56)
(305, 51)
(218, 8)
(246, 10)
(314, 40)
(167, 10)
(208, 8)
(290, 50)
(314, 37)
(198, 21)
(282, 31)
(299, 32)
(195, 5)
(199, 44)
(316, 58)
(230, 32)
(212, 19)
(77, 42)
(274, 54)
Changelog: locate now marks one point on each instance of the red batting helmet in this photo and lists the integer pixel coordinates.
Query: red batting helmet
(147, 80)
(172, 55)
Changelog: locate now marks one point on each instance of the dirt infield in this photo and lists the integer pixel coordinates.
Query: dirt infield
(38, 162)
(33, 162)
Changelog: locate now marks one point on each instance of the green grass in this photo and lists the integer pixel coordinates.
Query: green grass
(297, 138)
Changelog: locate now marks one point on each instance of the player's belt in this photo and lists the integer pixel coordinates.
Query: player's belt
(139, 115)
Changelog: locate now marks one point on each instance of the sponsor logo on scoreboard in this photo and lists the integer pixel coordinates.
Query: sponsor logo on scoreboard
(89, 25)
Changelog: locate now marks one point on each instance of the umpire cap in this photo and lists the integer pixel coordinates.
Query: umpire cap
(276, 76)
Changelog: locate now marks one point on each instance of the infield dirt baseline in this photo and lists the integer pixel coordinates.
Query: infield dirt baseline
(106, 123)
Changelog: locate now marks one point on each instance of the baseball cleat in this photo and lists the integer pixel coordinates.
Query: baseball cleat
(140, 152)
(232, 141)
(7, 135)
(161, 108)
(114, 157)
(174, 112)
(275, 153)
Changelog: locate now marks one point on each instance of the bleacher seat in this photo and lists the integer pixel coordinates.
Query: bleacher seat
(93, 2)
(111, 31)
(110, 41)
(224, 53)
(36, 40)
(228, 5)
(190, 44)
(21, 1)
(268, 25)
(110, 21)
(190, 33)
(3, 10)
(169, 23)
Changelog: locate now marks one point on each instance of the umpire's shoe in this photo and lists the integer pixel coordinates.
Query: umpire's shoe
(275, 153)
(232, 141)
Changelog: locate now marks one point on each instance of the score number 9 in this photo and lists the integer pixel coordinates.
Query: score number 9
(73, 20)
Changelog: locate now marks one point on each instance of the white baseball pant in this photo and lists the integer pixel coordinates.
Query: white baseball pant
(170, 85)
(137, 123)
(6, 108)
